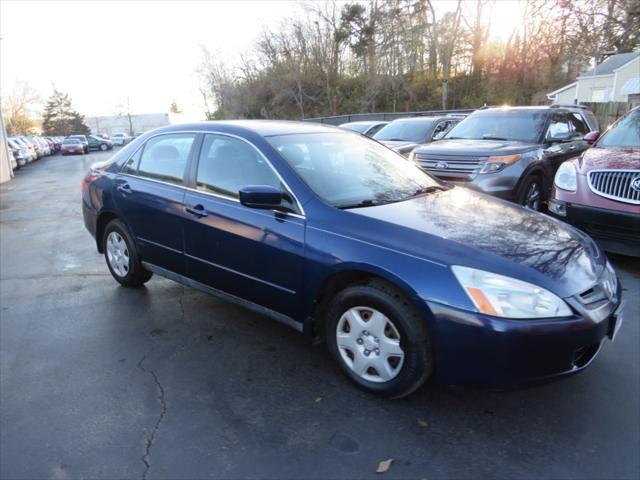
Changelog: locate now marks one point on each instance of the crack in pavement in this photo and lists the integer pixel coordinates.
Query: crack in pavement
(163, 412)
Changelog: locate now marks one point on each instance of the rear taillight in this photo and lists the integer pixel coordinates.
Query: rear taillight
(90, 177)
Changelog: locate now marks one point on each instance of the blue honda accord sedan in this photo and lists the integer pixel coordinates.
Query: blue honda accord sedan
(405, 277)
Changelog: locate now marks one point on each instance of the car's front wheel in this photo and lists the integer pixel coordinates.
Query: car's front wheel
(531, 192)
(122, 257)
(379, 339)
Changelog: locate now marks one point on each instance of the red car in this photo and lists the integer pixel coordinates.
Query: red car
(599, 192)
(71, 145)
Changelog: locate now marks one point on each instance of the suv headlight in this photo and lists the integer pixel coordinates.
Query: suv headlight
(495, 164)
(501, 296)
(566, 177)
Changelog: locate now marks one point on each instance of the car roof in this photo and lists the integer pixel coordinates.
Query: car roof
(430, 118)
(264, 128)
(540, 108)
(365, 122)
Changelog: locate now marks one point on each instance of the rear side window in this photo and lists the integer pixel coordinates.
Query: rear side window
(131, 167)
(227, 164)
(580, 128)
(165, 157)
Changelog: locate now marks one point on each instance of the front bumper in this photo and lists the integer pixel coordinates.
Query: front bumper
(476, 349)
(615, 231)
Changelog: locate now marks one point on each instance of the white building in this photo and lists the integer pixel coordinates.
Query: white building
(131, 124)
(617, 79)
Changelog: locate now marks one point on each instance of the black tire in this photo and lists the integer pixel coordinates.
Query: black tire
(104, 147)
(135, 275)
(418, 363)
(532, 185)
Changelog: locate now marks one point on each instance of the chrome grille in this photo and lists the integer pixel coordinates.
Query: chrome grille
(616, 184)
(451, 166)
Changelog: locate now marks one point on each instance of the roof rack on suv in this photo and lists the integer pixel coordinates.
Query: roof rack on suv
(569, 105)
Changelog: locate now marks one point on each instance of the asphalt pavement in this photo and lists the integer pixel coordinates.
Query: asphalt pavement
(164, 382)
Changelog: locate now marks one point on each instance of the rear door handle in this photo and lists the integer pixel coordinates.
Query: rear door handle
(124, 188)
(197, 210)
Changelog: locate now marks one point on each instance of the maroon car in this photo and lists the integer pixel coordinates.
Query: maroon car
(599, 192)
(71, 145)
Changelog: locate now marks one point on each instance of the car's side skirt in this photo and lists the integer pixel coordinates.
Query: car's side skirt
(176, 277)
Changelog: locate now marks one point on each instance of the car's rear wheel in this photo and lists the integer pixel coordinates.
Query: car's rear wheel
(122, 257)
(379, 339)
(530, 193)
(103, 147)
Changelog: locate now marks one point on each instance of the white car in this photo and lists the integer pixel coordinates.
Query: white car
(120, 139)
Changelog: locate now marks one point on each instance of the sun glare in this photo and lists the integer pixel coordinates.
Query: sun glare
(506, 18)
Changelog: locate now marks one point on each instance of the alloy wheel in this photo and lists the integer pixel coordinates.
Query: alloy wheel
(118, 254)
(532, 197)
(369, 344)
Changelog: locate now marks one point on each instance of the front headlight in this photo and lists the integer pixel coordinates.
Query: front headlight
(566, 177)
(501, 296)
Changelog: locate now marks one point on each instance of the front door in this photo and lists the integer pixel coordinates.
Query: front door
(150, 194)
(253, 254)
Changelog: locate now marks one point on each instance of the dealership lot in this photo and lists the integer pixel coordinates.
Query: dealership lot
(167, 382)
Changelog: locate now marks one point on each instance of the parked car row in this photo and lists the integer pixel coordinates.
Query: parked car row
(25, 149)
(515, 153)
(28, 148)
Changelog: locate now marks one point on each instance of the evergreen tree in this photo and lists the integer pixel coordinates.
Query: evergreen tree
(60, 118)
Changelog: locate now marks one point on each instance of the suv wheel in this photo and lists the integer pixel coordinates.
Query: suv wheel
(122, 257)
(530, 193)
(379, 339)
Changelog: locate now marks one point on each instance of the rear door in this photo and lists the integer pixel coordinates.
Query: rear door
(253, 254)
(149, 192)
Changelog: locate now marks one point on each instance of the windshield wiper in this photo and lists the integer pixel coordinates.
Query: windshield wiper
(431, 189)
(489, 137)
(363, 203)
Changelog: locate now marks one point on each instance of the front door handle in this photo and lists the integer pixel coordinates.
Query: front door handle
(197, 210)
(124, 188)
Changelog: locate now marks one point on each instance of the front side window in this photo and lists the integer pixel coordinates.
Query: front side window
(559, 127)
(580, 128)
(624, 134)
(347, 171)
(228, 164)
(164, 157)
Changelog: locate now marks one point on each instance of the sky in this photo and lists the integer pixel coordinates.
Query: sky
(103, 52)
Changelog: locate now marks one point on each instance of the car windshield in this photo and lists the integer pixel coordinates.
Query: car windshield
(501, 125)
(71, 141)
(405, 130)
(624, 134)
(347, 171)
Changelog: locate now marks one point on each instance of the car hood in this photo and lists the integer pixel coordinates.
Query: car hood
(476, 147)
(399, 145)
(613, 158)
(462, 227)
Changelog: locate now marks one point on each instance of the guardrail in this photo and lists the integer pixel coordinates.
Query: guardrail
(383, 116)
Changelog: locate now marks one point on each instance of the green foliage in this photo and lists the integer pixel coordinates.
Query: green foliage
(59, 117)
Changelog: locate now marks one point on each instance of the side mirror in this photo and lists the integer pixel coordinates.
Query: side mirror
(591, 137)
(261, 196)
